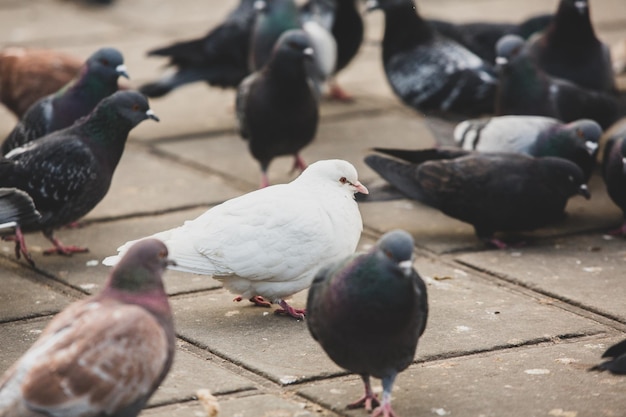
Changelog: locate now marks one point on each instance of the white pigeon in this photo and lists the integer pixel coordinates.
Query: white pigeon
(268, 244)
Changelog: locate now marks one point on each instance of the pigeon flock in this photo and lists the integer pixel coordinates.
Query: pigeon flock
(530, 101)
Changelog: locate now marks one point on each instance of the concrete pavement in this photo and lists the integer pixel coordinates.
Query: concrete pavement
(511, 332)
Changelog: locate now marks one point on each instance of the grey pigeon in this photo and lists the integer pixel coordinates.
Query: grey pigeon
(525, 89)
(101, 356)
(68, 172)
(220, 58)
(533, 135)
(617, 363)
(96, 80)
(277, 107)
(569, 49)
(481, 37)
(491, 191)
(29, 74)
(267, 245)
(429, 72)
(614, 175)
(367, 311)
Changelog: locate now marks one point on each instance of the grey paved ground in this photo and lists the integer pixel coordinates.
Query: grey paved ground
(511, 332)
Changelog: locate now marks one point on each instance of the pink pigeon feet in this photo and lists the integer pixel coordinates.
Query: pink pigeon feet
(620, 231)
(298, 163)
(257, 300)
(20, 246)
(288, 310)
(60, 248)
(338, 93)
(384, 410)
(368, 400)
(499, 244)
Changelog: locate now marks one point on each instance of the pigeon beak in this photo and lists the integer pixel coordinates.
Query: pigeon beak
(121, 70)
(584, 191)
(152, 116)
(372, 5)
(308, 53)
(170, 262)
(591, 147)
(581, 6)
(501, 61)
(360, 188)
(406, 266)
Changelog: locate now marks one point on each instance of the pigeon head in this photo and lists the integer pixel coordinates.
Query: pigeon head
(580, 7)
(128, 105)
(338, 171)
(295, 44)
(397, 245)
(588, 132)
(141, 269)
(568, 176)
(507, 48)
(107, 63)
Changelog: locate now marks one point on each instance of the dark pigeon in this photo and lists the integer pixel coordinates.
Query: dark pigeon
(96, 80)
(104, 355)
(346, 25)
(481, 37)
(274, 17)
(525, 89)
(29, 74)
(68, 172)
(220, 58)
(569, 49)
(617, 363)
(368, 311)
(429, 72)
(614, 174)
(277, 107)
(494, 192)
(534, 136)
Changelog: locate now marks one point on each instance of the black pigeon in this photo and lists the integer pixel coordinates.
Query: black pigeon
(525, 89)
(616, 365)
(104, 355)
(346, 25)
(220, 58)
(493, 192)
(96, 80)
(569, 49)
(614, 174)
(481, 37)
(68, 172)
(428, 71)
(368, 312)
(534, 136)
(277, 107)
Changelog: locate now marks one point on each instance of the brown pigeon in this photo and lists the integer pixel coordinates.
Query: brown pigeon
(104, 355)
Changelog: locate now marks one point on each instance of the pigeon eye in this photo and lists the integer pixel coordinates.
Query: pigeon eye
(104, 61)
(570, 178)
(579, 133)
(163, 254)
(343, 180)
(135, 107)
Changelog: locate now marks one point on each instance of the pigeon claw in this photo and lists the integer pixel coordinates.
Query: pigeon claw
(620, 231)
(288, 310)
(384, 410)
(65, 250)
(367, 401)
(339, 94)
(260, 301)
(20, 246)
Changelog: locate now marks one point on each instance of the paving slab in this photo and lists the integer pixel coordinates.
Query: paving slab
(467, 314)
(84, 271)
(442, 234)
(188, 374)
(549, 380)
(583, 270)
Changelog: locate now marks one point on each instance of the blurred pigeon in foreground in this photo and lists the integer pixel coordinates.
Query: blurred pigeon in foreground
(428, 71)
(368, 311)
(277, 107)
(481, 37)
(267, 245)
(533, 135)
(616, 365)
(569, 49)
(101, 356)
(491, 191)
(614, 174)
(220, 58)
(26, 75)
(527, 90)
(68, 172)
(97, 80)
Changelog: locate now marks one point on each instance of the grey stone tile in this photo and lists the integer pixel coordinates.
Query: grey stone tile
(582, 270)
(546, 380)
(84, 272)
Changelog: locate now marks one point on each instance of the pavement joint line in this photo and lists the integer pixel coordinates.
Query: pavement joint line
(162, 212)
(29, 318)
(565, 303)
